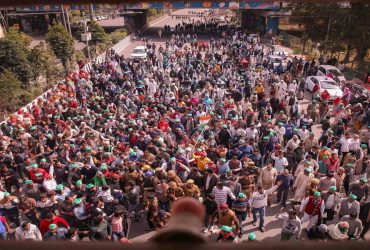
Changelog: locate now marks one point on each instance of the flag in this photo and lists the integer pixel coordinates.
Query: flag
(203, 120)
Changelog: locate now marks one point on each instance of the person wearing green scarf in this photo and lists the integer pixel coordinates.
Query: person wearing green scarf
(99, 179)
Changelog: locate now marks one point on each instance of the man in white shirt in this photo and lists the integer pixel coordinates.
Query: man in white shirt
(344, 141)
(280, 162)
(221, 192)
(251, 132)
(354, 144)
(258, 202)
(303, 133)
(27, 232)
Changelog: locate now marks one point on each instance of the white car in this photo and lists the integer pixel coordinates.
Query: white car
(282, 53)
(276, 60)
(324, 70)
(253, 38)
(139, 53)
(326, 83)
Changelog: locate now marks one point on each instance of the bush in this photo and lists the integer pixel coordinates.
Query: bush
(117, 35)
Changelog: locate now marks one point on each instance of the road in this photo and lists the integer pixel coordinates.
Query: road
(139, 231)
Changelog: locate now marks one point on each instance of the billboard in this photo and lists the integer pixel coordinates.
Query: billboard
(206, 4)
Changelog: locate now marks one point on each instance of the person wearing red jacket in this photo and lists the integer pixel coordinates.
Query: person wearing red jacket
(52, 219)
(35, 170)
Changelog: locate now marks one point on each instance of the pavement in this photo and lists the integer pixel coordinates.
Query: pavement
(139, 231)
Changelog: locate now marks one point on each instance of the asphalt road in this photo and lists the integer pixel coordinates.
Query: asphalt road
(139, 230)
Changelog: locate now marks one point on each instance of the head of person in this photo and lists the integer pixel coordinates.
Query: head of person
(260, 189)
(26, 226)
(332, 189)
(224, 208)
(353, 215)
(292, 214)
(53, 228)
(363, 182)
(352, 198)
(317, 195)
(241, 196)
(50, 216)
(285, 172)
(190, 183)
(220, 185)
(269, 166)
(329, 175)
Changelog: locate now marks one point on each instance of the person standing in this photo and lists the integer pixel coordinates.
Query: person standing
(258, 202)
(4, 228)
(349, 205)
(283, 189)
(55, 233)
(365, 218)
(291, 225)
(312, 208)
(360, 189)
(331, 201)
(240, 207)
(267, 178)
(302, 181)
(27, 232)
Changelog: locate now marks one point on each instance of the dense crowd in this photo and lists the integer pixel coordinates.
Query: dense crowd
(129, 139)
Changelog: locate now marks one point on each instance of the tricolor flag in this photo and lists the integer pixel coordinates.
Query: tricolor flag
(203, 120)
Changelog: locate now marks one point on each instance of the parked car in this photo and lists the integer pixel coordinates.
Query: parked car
(253, 38)
(276, 62)
(326, 83)
(139, 53)
(325, 70)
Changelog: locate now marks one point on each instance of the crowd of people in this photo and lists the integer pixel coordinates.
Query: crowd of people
(130, 139)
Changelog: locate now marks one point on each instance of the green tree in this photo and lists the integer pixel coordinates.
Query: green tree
(43, 60)
(98, 34)
(117, 35)
(14, 55)
(62, 44)
(11, 91)
(348, 27)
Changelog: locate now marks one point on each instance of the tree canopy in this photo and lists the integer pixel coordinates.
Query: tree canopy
(348, 26)
(61, 43)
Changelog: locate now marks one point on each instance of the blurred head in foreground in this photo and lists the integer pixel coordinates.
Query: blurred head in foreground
(185, 225)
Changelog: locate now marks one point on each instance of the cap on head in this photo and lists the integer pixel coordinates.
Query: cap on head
(363, 180)
(77, 201)
(52, 226)
(226, 229)
(223, 206)
(59, 187)
(252, 236)
(317, 194)
(241, 195)
(190, 181)
(333, 188)
(352, 196)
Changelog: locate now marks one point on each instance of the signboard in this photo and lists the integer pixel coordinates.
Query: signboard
(261, 5)
(51, 7)
(206, 5)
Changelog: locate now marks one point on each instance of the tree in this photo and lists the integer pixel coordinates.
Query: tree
(43, 61)
(98, 35)
(62, 44)
(339, 28)
(14, 55)
(10, 90)
(117, 35)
